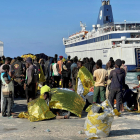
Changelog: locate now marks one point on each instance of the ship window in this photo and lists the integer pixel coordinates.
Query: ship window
(102, 38)
(107, 9)
(106, 37)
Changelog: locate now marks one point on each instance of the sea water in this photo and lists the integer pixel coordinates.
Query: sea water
(131, 77)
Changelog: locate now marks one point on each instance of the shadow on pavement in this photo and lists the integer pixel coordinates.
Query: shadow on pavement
(124, 132)
(20, 108)
(130, 113)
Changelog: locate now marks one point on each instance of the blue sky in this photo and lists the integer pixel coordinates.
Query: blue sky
(38, 26)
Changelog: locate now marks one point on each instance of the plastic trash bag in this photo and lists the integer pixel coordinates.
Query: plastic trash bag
(98, 125)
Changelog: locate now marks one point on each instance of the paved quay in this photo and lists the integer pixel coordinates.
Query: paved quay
(126, 127)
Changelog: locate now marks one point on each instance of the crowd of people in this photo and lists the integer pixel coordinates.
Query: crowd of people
(24, 78)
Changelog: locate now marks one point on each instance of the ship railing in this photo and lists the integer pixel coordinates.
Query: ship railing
(121, 26)
(114, 23)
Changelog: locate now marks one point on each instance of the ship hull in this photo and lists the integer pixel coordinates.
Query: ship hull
(126, 52)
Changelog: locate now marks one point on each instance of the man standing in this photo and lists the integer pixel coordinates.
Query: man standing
(73, 71)
(7, 62)
(60, 62)
(18, 69)
(100, 75)
(124, 67)
(7, 89)
(68, 65)
(117, 78)
(92, 63)
(54, 68)
(30, 82)
(47, 68)
(84, 80)
(88, 65)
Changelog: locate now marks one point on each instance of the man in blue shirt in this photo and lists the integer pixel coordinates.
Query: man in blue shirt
(117, 78)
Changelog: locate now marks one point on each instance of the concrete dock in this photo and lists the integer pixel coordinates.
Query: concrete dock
(126, 127)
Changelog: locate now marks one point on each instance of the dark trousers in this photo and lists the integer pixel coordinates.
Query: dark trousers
(30, 92)
(56, 80)
(18, 89)
(115, 94)
(65, 82)
(7, 105)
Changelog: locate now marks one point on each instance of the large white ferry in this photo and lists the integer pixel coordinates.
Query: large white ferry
(107, 39)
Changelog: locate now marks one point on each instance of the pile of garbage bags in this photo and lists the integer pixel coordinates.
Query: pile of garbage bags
(99, 120)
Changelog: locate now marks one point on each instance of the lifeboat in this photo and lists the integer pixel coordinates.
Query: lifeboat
(80, 34)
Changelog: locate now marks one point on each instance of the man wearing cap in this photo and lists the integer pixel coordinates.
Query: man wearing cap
(117, 78)
(30, 83)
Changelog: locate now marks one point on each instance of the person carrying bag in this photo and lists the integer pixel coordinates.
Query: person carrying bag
(7, 89)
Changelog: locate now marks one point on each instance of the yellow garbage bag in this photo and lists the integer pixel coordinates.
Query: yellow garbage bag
(98, 125)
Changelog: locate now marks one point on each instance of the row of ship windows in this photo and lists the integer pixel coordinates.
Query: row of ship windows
(98, 39)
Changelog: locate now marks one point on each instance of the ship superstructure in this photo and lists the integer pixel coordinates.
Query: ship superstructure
(107, 39)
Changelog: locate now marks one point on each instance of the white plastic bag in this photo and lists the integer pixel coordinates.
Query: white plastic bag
(98, 125)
